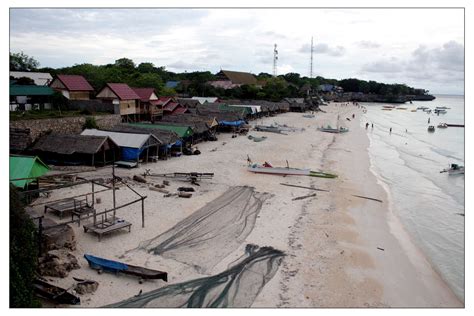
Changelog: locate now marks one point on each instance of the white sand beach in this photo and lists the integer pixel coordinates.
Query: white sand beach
(341, 250)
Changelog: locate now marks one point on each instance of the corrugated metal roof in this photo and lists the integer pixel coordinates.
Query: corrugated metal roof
(203, 100)
(182, 131)
(123, 91)
(26, 167)
(30, 90)
(144, 93)
(121, 139)
(75, 83)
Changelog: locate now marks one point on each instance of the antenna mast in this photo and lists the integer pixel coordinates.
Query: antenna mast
(311, 66)
(275, 58)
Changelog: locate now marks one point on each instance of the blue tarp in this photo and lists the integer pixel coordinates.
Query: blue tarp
(231, 123)
(131, 153)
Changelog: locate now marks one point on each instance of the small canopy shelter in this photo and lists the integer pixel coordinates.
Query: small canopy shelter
(133, 146)
(77, 149)
(22, 167)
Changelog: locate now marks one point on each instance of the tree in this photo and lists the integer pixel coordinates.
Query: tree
(125, 63)
(24, 81)
(146, 67)
(23, 62)
(23, 254)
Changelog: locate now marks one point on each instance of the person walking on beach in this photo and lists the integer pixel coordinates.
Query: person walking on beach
(366, 125)
(372, 125)
(390, 130)
(353, 116)
(428, 120)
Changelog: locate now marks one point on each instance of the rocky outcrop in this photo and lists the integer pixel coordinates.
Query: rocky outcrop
(57, 263)
(87, 286)
(58, 237)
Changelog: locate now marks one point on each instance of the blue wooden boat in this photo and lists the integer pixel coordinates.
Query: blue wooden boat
(101, 264)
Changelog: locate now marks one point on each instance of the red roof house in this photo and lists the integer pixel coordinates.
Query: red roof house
(73, 87)
(124, 98)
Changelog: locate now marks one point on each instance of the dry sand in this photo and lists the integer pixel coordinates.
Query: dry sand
(331, 241)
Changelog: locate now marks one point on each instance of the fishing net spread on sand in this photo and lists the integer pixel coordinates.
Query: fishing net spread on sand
(236, 287)
(211, 233)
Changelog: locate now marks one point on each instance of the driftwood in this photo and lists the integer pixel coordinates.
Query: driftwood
(159, 190)
(380, 249)
(303, 187)
(304, 197)
(139, 178)
(368, 198)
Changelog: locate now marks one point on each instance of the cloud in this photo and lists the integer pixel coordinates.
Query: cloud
(367, 44)
(391, 65)
(323, 49)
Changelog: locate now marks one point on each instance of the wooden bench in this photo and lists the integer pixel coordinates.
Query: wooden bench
(68, 205)
(107, 227)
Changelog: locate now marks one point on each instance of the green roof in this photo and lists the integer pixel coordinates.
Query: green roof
(182, 131)
(26, 167)
(17, 90)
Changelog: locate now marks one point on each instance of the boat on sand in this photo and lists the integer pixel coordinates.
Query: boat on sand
(267, 168)
(454, 169)
(329, 129)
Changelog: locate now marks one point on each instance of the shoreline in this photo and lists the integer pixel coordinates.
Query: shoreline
(331, 257)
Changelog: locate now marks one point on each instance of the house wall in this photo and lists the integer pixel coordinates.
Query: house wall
(106, 93)
(65, 125)
(79, 95)
(128, 107)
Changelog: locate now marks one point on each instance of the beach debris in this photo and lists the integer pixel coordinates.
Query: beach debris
(170, 195)
(460, 214)
(85, 286)
(98, 200)
(380, 249)
(367, 198)
(257, 139)
(303, 187)
(327, 236)
(158, 190)
(212, 232)
(161, 186)
(166, 182)
(182, 194)
(238, 286)
(186, 189)
(342, 252)
(213, 149)
(303, 197)
(57, 237)
(57, 263)
(139, 293)
(139, 178)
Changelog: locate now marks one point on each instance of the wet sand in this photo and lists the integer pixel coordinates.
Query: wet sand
(331, 241)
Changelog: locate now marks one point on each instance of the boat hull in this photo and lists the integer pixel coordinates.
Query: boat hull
(280, 171)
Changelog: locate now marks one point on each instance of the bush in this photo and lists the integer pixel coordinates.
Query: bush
(90, 123)
(23, 254)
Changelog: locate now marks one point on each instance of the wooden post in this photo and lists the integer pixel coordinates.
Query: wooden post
(113, 187)
(143, 212)
(93, 195)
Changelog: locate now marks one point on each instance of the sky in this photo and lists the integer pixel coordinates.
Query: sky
(423, 48)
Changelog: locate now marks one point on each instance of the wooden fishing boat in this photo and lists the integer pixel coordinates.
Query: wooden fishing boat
(266, 168)
(270, 129)
(454, 169)
(54, 293)
(101, 264)
(329, 129)
(283, 171)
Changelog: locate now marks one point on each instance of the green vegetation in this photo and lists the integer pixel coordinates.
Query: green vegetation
(23, 254)
(90, 123)
(146, 74)
(22, 62)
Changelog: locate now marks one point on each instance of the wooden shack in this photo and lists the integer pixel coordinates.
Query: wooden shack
(124, 99)
(73, 87)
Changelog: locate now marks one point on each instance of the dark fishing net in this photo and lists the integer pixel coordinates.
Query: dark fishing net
(236, 287)
(211, 233)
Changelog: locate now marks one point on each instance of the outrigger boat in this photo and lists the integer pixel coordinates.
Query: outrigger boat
(270, 129)
(329, 129)
(54, 293)
(454, 169)
(267, 168)
(101, 264)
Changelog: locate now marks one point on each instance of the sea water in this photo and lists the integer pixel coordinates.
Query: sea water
(408, 161)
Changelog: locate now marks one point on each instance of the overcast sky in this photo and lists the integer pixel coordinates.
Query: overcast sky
(423, 48)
